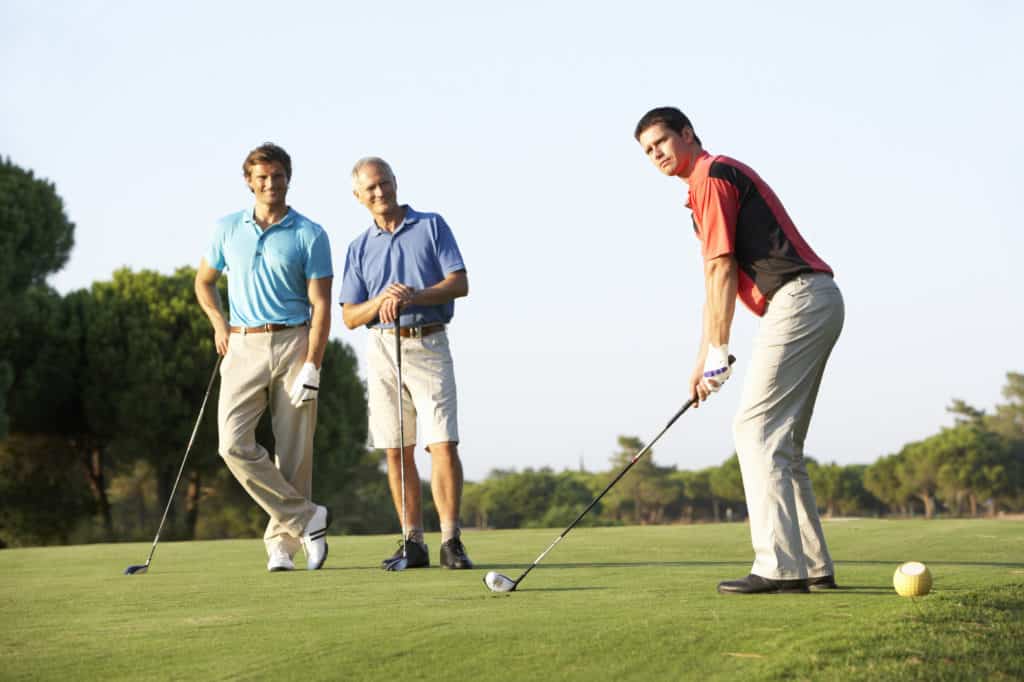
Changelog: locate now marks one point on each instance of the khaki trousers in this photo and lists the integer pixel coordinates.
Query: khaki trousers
(793, 344)
(258, 371)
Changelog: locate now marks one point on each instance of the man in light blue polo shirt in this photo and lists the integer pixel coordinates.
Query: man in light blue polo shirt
(279, 290)
(407, 268)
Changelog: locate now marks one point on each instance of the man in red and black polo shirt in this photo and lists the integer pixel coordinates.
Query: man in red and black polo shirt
(753, 252)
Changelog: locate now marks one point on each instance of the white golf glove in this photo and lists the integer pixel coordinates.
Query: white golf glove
(716, 367)
(306, 385)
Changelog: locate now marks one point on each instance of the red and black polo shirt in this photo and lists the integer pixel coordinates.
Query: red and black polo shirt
(735, 212)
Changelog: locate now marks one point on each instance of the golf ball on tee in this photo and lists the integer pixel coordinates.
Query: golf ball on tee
(912, 579)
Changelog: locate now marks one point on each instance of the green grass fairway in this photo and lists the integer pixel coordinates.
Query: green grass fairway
(633, 603)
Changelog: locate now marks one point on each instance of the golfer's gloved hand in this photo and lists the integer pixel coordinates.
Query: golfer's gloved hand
(716, 367)
(306, 386)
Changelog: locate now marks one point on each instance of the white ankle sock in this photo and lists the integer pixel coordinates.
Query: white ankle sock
(449, 531)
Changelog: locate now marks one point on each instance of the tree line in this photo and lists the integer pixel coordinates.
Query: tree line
(100, 389)
(975, 467)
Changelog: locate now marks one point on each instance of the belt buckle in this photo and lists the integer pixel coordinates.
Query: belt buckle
(415, 332)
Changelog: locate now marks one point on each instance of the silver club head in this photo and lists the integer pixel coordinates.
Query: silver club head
(137, 569)
(496, 582)
(399, 564)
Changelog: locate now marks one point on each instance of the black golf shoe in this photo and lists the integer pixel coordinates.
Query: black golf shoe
(416, 555)
(755, 584)
(825, 582)
(453, 555)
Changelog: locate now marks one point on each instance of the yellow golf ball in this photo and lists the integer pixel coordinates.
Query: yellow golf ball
(912, 579)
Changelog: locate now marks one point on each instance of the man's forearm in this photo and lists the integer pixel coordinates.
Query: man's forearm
(319, 330)
(360, 314)
(209, 300)
(720, 277)
(455, 285)
(703, 346)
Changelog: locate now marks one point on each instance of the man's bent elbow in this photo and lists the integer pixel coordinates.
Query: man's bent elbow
(348, 318)
(722, 269)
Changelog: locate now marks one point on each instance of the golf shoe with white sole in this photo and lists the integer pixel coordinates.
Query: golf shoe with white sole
(314, 538)
(280, 561)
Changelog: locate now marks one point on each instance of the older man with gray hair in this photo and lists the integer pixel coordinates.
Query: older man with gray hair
(403, 274)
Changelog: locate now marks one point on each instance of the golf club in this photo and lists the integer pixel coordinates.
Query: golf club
(142, 568)
(496, 582)
(402, 563)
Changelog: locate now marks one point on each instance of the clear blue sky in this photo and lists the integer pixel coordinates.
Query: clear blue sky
(891, 131)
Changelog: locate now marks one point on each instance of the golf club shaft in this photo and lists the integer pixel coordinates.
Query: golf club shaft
(597, 499)
(191, 440)
(401, 424)
(622, 473)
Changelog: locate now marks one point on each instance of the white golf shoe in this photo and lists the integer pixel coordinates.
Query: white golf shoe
(280, 561)
(314, 538)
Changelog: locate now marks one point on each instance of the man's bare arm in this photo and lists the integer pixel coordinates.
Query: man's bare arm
(319, 292)
(209, 300)
(720, 282)
(454, 285)
(389, 302)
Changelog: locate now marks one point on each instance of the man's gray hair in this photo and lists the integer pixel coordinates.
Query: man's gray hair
(371, 161)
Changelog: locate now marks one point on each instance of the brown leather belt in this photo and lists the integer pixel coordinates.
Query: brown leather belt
(417, 332)
(263, 328)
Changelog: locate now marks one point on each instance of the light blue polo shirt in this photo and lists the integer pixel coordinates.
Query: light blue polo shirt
(268, 269)
(419, 254)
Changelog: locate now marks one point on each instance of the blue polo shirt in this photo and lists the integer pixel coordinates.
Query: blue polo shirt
(419, 254)
(268, 269)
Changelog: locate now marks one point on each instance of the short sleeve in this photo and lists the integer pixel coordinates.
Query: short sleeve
(318, 261)
(448, 254)
(353, 286)
(715, 211)
(215, 253)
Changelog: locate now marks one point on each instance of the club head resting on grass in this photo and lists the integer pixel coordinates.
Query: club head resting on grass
(399, 564)
(496, 582)
(136, 569)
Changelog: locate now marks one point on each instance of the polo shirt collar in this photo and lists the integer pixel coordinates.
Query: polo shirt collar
(701, 166)
(289, 218)
(411, 217)
(699, 174)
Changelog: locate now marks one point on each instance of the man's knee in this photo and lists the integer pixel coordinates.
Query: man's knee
(239, 450)
(448, 449)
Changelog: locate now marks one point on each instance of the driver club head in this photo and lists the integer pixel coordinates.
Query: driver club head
(496, 582)
(399, 564)
(137, 569)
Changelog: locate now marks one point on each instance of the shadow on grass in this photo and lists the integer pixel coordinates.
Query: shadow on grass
(558, 589)
(682, 564)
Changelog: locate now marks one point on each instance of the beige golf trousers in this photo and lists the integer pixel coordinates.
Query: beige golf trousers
(257, 372)
(793, 344)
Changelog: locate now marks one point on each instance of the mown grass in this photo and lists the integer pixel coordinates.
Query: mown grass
(608, 603)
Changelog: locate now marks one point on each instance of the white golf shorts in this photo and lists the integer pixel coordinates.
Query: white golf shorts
(428, 378)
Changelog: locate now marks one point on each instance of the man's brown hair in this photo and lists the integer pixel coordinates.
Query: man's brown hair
(670, 117)
(268, 152)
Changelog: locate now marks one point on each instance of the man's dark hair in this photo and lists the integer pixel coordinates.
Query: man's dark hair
(268, 152)
(670, 117)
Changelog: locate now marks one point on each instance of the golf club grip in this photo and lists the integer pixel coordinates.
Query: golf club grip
(689, 403)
